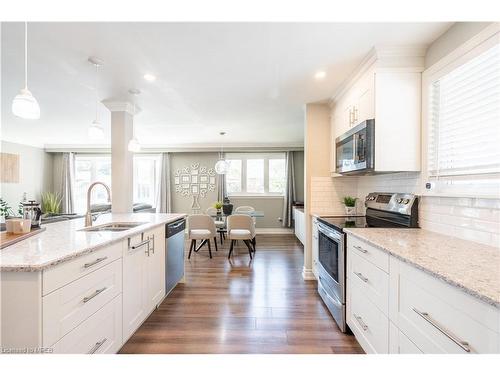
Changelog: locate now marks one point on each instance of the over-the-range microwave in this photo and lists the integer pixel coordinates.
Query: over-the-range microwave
(355, 149)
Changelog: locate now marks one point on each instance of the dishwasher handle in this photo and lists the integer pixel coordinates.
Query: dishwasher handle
(175, 227)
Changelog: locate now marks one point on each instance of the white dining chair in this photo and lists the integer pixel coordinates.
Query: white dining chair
(220, 223)
(241, 227)
(201, 227)
(246, 210)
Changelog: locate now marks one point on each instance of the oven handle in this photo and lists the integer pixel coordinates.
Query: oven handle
(331, 233)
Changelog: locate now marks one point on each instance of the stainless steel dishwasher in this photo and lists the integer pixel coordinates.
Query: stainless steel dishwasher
(174, 267)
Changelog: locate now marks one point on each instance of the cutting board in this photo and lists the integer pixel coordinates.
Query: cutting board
(7, 239)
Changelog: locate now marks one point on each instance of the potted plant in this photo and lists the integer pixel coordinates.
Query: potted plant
(218, 205)
(51, 203)
(350, 205)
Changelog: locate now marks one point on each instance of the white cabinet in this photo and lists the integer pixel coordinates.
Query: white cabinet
(394, 307)
(144, 286)
(299, 224)
(387, 88)
(315, 247)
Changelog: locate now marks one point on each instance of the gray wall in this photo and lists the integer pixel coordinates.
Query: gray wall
(457, 34)
(35, 174)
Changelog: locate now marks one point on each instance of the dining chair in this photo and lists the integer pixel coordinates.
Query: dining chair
(201, 227)
(241, 227)
(246, 210)
(220, 223)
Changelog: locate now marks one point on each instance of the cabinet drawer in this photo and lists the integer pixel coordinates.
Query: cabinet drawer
(371, 280)
(70, 305)
(101, 333)
(369, 252)
(67, 272)
(439, 322)
(368, 323)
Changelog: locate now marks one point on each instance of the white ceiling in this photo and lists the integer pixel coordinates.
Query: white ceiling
(248, 79)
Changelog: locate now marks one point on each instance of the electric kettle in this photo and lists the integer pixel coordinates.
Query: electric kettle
(32, 211)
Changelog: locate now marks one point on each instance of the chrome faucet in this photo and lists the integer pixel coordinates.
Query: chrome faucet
(88, 215)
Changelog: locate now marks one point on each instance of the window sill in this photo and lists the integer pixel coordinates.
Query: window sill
(250, 196)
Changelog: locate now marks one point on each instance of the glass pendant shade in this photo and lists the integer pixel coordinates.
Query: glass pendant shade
(26, 106)
(96, 131)
(134, 145)
(222, 166)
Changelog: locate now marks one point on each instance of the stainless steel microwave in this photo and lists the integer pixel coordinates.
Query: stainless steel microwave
(355, 149)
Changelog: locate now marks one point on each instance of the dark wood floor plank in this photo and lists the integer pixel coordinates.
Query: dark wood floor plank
(238, 306)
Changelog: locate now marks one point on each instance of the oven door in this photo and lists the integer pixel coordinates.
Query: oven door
(332, 261)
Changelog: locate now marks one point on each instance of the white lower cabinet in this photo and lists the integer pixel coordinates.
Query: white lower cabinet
(299, 224)
(144, 286)
(406, 310)
(100, 333)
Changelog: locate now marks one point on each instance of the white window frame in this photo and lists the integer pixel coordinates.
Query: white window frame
(466, 52)
(266, 156)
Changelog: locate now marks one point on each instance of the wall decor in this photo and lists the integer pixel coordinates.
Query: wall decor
(9, 168)
(194, 181)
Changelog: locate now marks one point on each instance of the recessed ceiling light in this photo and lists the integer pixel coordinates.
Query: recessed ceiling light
(149, 77)
(320, 75)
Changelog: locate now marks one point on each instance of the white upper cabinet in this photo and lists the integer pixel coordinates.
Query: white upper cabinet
(386, 87)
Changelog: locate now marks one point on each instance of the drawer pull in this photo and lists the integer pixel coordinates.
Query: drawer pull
(360, 275)
(151, 244)
(359, 248)
(140, 244)
(361, 323)
(95, 294)
(464, 345)
(97, 345)
(98, 260)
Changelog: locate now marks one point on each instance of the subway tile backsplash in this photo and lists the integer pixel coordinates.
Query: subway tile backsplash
(472, 219)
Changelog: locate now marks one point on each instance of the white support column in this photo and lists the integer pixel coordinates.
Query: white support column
(122, 127)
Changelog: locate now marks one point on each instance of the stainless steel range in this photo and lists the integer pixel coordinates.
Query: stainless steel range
(383, 210)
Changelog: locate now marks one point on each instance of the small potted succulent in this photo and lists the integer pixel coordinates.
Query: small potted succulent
(350, 205)
(218, 206)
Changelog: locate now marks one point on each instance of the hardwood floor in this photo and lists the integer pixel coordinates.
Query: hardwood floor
(238, 306)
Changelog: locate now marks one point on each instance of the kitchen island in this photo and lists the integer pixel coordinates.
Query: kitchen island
(69, 290)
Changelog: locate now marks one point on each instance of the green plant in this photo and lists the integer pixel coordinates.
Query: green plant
(51, 203)
(349, 201)
(218, 205)
(5, 209)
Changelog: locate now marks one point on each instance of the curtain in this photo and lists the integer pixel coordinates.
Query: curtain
(67, 170)
(221, 186)
(164, 197)
(289, 190)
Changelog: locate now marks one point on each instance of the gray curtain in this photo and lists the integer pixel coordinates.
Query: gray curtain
(164, 198)
(289, 190)
(67, 170)
(221, 185)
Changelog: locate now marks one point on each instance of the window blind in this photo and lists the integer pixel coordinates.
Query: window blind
(464, 126)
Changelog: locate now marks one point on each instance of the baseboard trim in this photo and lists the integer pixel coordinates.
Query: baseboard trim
(307, 274)
(274, 230)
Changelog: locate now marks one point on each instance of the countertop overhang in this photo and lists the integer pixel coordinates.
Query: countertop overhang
(63, 241)
(470, 266)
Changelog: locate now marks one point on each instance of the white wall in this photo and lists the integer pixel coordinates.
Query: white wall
(35, 174)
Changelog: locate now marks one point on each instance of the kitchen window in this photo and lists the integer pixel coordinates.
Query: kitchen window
(256, 174)
(91, 168)
(462, 125)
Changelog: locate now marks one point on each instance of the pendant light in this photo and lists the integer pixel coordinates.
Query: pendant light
(222, 166)
(96, 131)
(24, 104)
(133, 144)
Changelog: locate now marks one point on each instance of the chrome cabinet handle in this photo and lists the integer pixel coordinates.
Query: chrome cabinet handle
(93, 295)
(140, 244)
(151, 241)
(355, 114)
(360, 275)
(97, 345)
(361, 323)
(359, 248)
(98, 260)
(464, 345)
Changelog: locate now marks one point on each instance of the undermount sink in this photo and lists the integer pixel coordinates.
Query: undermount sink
(111, 227)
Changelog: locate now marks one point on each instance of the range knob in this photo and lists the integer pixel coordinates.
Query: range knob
(400, 200)
(406, 201)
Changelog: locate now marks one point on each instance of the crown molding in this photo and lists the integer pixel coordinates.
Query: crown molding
(121, 106)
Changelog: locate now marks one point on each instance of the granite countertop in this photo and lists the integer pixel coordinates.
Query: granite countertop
(473, 267)
(63, 241)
